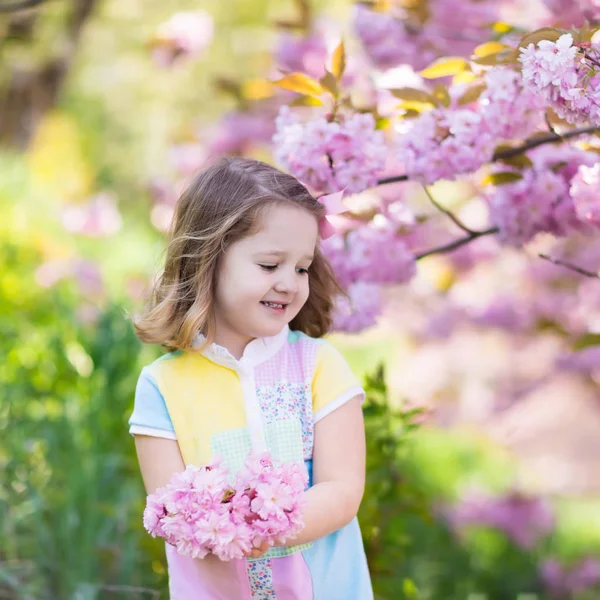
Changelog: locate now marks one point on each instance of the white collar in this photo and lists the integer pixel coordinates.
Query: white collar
(257, 351)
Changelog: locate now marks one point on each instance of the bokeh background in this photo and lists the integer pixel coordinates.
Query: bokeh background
(484, 456)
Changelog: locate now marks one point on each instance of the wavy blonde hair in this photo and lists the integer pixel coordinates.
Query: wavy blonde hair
(221, 206)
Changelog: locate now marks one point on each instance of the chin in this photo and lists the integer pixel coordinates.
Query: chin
(269, 330)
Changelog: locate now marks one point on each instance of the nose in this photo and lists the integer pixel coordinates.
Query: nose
(287, 282)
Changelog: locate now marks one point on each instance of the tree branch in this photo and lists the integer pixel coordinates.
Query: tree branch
(448, 213)
(546, 138)
(457, 243)
(392, 179)
(15, 6)
(561, 263)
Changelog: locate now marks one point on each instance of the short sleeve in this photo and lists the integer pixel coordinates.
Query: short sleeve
(150, 415)
(333, 382)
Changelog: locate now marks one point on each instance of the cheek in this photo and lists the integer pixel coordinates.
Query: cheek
(305, 289)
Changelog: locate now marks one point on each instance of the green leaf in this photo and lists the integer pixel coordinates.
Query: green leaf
(443, 67)
(472, 94)
(502, 28)
(338, 61)
(382, 123)
(520, 161)
(504, 57)
(411, 113)
(418, 107)
(413, 95)
(300, 83)
(544, 33)
(441, 95)
(409, 589)
(490, 48)
(306, 101)
(586, 340)
(501, 178)
(329, 83)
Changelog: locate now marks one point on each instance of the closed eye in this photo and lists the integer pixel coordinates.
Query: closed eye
(268, 268)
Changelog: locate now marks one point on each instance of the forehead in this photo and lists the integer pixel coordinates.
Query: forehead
(285, 228)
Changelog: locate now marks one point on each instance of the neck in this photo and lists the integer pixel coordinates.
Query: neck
(234, 344)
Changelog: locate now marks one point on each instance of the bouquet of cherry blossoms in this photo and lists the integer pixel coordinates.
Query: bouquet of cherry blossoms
(199, 511)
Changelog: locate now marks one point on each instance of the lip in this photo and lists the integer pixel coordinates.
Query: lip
(278, 311)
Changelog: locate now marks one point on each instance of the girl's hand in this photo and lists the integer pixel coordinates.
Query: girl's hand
(258, 552)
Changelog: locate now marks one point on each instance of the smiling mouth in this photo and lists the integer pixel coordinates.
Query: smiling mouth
(274, 305)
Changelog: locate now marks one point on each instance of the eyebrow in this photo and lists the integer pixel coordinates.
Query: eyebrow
(279, 254)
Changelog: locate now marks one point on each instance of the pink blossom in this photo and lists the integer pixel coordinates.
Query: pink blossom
(85, 273)
(574, 12)
(541, 200)
(562, 581)
(98, 217)
(359, 309)
(445, 143)
(585, 191)
(505, 313)
(154, 512)
(164, 194)
(508, 108)
(272, 500)
(329, 156)
(239, 132)
(187, 158)
(185, 34)
(199, 512)
(371, 253)
(306, 54)
(400, 36)
(564, 75)
(585, 361)
(524, 519)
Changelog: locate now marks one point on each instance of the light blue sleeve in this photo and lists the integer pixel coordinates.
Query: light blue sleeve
(150, 415)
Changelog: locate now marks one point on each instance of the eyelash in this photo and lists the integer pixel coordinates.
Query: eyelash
(271, 268)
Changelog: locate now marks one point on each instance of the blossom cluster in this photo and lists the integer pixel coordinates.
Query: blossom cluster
(364, 259)
(585, 190)
(574, 12)
(565, 76)
(239, 132)
(446, 142)
(523, 519)
(200, 512)
(346, 153)
(359, 309)
(400, 36)
(306, 54)
(371, 253)
(541, 201)
(568, 582)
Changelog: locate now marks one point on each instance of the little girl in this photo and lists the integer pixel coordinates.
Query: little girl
(243, 301)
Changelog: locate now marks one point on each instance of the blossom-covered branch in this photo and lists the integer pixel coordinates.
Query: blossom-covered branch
(506, 153)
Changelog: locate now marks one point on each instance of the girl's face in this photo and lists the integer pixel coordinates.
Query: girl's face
(263, 282)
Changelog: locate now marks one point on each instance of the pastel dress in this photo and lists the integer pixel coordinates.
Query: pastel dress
(215, 405)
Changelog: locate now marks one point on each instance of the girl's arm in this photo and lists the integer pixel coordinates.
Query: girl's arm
(159, 460)
(338, 472)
